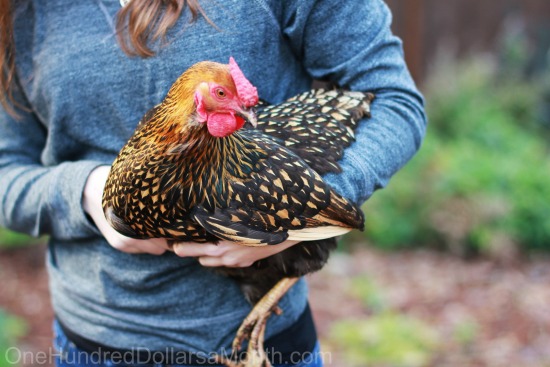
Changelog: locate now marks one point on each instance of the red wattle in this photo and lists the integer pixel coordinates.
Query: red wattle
(240, 122)
(222, 124)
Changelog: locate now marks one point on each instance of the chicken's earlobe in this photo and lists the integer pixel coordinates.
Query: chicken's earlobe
(200, 107)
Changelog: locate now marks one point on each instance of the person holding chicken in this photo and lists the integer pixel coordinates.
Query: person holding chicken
(75, 84)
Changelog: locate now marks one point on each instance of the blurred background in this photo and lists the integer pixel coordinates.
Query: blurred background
(453, 268)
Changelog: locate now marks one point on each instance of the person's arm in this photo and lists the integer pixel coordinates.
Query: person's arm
(40, 199)
(350, 43)
(35, 198)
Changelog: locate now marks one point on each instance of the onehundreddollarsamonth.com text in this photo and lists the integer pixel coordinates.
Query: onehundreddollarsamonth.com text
(19, 357)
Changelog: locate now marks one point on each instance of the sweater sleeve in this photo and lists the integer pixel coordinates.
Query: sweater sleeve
(36, 198)
(350, 43)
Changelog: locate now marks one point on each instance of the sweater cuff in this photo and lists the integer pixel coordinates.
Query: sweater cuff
(65, 201)
(357, 182)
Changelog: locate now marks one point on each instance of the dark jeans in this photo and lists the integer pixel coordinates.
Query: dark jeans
(69, 355)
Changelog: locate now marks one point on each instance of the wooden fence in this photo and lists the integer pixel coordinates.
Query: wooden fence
(464, 26)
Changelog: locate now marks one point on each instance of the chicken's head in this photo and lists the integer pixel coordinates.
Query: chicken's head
(224, 99)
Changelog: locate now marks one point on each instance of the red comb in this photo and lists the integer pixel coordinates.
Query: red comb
(248, 94)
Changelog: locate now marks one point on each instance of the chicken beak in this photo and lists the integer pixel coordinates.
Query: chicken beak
(249, 115)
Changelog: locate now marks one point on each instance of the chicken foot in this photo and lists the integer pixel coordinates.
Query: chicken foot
(253, 327)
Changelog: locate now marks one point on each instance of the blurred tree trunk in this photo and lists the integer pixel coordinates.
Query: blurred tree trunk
(462, 27)
(413, 28)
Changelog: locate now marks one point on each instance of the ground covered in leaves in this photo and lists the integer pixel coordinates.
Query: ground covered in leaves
(410, 308)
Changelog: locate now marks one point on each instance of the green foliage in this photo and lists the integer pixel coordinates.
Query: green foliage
(11, 329)
(481, 179)
(386, 339)
(466, 333)
(369, 293)
(13, 239)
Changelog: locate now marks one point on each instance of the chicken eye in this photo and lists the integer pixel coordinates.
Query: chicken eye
(220, 93)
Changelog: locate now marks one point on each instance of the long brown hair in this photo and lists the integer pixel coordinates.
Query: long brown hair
(139, 24)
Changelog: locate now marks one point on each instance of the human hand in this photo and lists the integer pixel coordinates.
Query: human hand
(229, 254)
(91, 203)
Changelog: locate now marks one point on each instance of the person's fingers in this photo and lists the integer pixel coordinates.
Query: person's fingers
(227, 261)
(226, 253)
(156, 246)
(160, 242)
(191, 249)
(150, 247)
(127, 249)
(209, 261)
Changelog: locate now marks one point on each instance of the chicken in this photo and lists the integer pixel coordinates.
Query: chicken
(203, 166)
